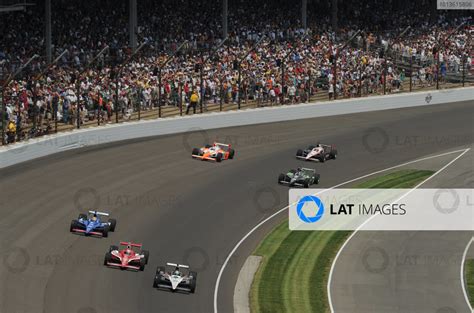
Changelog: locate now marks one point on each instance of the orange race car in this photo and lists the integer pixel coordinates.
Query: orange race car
(217, 152)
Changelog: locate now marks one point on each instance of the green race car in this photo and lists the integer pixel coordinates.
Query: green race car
(302, 177)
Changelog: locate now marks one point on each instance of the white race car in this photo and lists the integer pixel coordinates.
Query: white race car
(177, 278)
(318, 152)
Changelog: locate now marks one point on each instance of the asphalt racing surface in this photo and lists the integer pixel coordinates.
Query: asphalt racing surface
(183, 210)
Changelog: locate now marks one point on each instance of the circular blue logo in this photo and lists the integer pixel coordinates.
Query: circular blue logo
(310, 219)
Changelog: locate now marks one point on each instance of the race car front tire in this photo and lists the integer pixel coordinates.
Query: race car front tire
(107, 258)
(113, 223)
(333, 154)
(231, 153)
(299, 153)
(281, 178)
(219, 157)
(73, 224)
(306, 184)
(142, 264)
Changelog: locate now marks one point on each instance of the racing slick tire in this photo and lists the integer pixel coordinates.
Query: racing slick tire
(107, 258)
(299, 153)
(219, 157)
(105, 231)
(333, 154)
(231, 153)
(281, 178)
(83, 216)
(192, 283)
(146, 253)
(322, 158)
(142, 264)
(73, 223)
(316, 180)
(306, 184)
(113, 223)
(195, 151)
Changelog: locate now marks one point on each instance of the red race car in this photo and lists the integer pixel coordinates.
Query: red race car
(131, 257)
(217, 152)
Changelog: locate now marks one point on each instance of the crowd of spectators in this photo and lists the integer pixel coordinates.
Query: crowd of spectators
(287, 66)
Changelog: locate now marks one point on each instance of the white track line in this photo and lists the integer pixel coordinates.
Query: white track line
(463, 283)
(354, 232)
(221, 271)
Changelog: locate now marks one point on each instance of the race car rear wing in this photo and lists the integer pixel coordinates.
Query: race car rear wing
(98, 213)
(177, 265)
(138, 245)
(222, 144)
(308, 169)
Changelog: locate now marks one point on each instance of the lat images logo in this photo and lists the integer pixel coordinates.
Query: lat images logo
(313, 201)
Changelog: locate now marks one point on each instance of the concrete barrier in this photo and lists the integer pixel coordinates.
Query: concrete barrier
(47, 145)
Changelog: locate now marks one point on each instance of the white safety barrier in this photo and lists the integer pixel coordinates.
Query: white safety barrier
(47, 145)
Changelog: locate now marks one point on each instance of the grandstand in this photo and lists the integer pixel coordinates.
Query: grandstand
(67, 64)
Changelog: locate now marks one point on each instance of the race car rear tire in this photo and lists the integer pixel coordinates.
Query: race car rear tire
(299, 153)
(146, 253)
(112, 248)
(113, 223)
(316, 180)
(105, 231)
(84, 216)
(192, 284)
(219, 157)
(195, 151)
(333, 154)
(231, 153)
(281, 178)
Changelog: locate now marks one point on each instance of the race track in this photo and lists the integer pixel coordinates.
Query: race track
(181, 209)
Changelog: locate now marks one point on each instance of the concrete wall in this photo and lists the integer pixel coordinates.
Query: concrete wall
(47, 145)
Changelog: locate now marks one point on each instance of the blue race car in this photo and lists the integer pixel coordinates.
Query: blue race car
(92, 224)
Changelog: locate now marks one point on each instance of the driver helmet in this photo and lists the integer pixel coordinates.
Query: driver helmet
(177, 272)
(94, 217)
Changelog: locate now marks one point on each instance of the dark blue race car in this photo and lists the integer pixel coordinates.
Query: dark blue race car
(92, 224)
